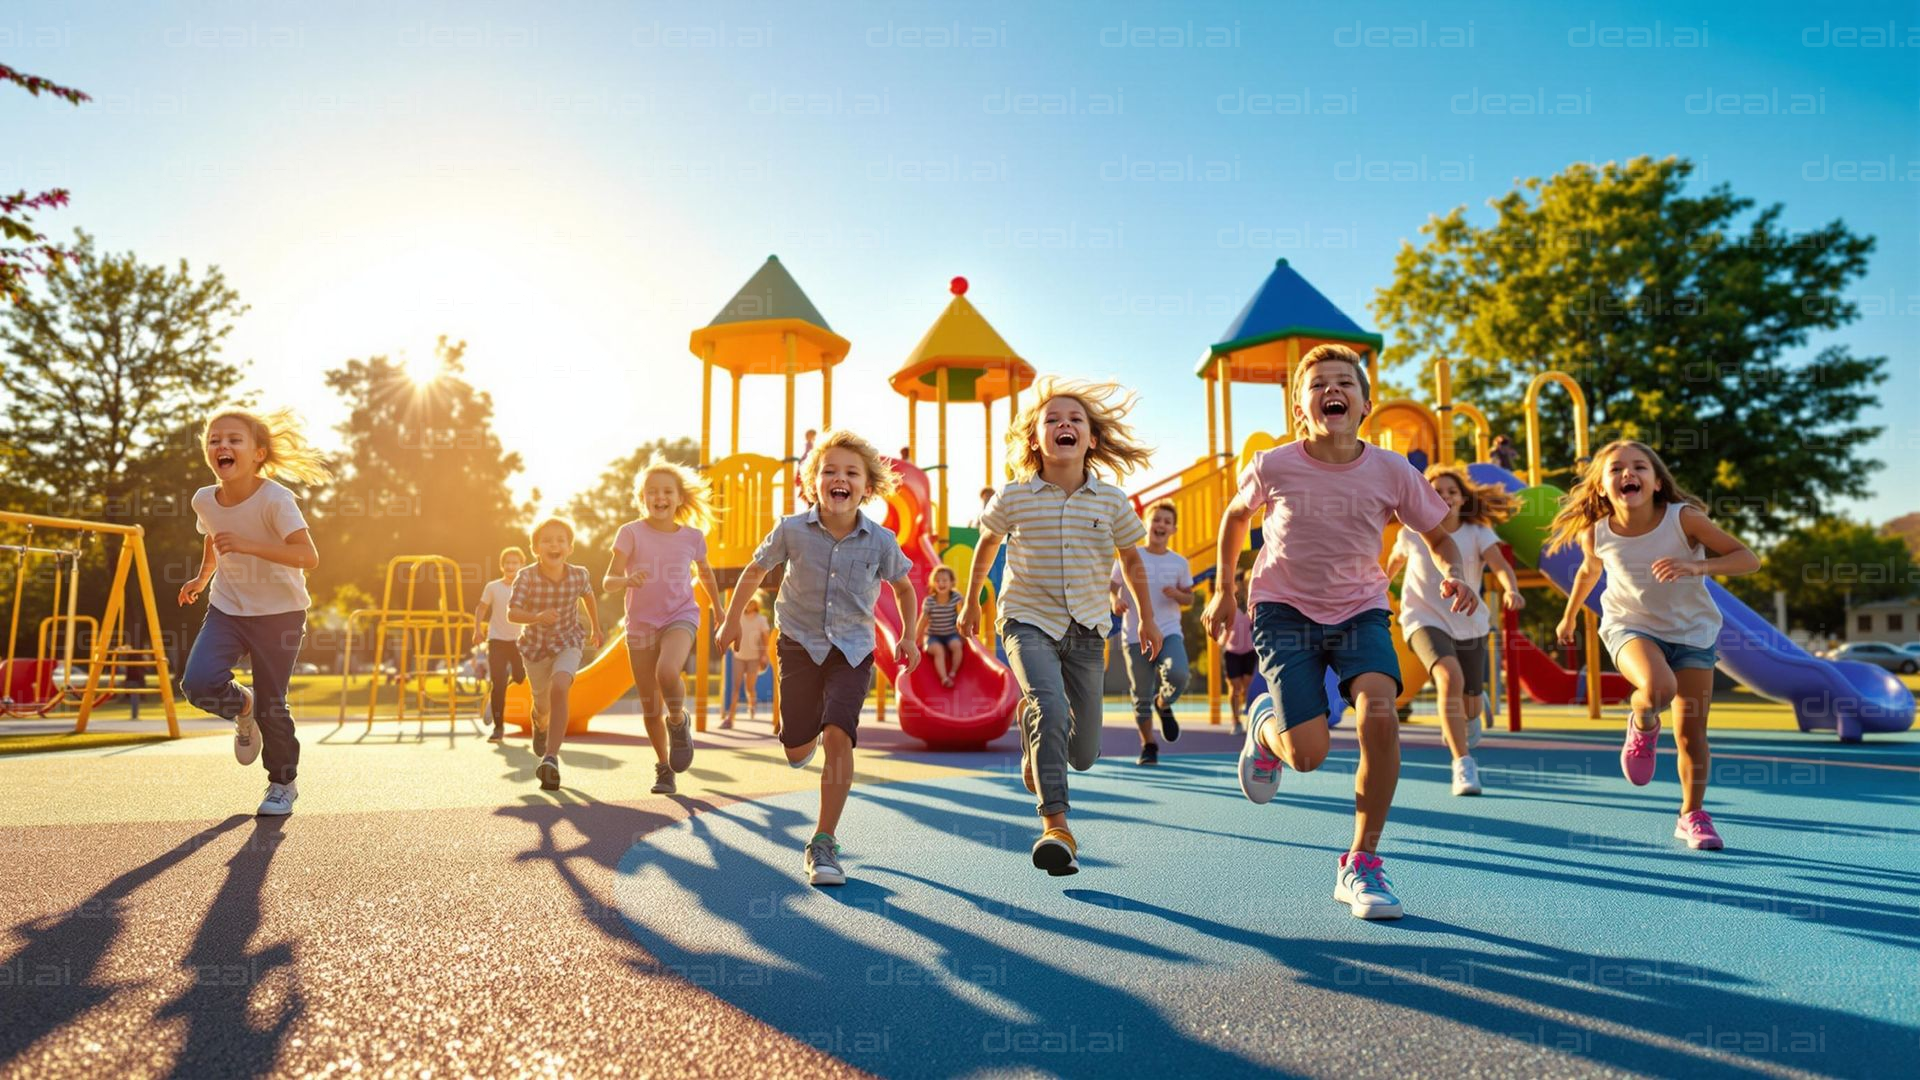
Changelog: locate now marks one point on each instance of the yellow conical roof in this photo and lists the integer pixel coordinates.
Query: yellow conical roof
(981, 365)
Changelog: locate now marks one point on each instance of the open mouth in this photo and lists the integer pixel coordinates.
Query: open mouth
(1630, 486)
(839, 492)
(1066, 439)
(1336, 407)
(224, 459)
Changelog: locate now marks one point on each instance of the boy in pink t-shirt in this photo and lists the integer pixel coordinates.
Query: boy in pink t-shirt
(1319, 600)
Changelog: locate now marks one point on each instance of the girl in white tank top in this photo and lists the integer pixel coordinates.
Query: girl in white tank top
(1657, 547)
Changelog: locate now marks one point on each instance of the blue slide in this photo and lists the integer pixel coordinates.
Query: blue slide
(1846, 697)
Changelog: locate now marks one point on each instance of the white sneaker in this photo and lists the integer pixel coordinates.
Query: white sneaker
(279, 800)
(811, 750)
(1259, 769)
(1362, 885)
(246, 733)
(1466, 776)
(1474, 726)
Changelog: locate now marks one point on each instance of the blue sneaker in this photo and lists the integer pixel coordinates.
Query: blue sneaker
(1259, 768)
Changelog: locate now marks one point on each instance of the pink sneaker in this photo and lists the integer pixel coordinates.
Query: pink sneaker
(1697, 830)
(1636, 756)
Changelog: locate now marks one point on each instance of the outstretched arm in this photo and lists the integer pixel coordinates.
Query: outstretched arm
(1730, 556)
(1583, 582)
(1233, 537)
(983, 554)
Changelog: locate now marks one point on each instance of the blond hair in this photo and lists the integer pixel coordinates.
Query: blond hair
(289, 454)
(533, 534)
(1106, 403)
(882, 481)
(1480, 504)
(1588, 502)
(1322, 354)
(696, 494)
(511, 549)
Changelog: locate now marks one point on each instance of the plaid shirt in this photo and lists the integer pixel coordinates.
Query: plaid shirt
(827, 596)
(534, 592)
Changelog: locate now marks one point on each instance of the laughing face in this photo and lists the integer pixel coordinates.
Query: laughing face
(660, 496)
(1449, 491)
(840, 485)
(553, 544)
(1160, 528)
(1332, 402)
(1064, 433)
(231, 451)
(1629, 478)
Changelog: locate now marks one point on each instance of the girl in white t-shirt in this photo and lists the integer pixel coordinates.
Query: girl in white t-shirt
(749, 657)
(502, 636)
(1657, 620)
(1452, 644)
(257, 539)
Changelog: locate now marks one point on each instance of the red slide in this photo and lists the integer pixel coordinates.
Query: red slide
(978, 708)
(1547, 683)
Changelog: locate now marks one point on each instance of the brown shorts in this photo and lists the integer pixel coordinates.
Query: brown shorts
(1433, 646)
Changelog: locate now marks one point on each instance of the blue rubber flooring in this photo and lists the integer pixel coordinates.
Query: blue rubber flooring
(1553, 925)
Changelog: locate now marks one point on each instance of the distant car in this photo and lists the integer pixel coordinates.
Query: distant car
(1891, 657)
(1911, 647)
(306, 669)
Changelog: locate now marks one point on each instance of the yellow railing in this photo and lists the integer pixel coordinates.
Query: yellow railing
(746, 498)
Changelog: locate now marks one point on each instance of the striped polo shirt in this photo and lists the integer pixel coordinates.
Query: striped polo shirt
(1060, 546)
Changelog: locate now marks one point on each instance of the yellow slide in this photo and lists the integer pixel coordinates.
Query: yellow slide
(600, 683)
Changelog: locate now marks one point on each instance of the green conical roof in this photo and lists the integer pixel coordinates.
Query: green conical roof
(771, 293)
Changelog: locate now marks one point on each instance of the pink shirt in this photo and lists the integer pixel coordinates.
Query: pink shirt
(1240, 636)
(1321, 542)
(666, 561)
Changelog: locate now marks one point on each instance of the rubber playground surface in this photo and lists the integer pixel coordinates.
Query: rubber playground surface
(428, 909)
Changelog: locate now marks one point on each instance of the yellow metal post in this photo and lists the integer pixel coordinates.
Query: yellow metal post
(1213, 420)
(103, 639)
(702, 665)
(1225, 363)
(986, 441)
(706, 406)
(733, 446)
(913, 432)
(826, 395)
(793, 472)
(940, 516)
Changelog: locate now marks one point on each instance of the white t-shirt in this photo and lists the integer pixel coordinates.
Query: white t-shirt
(1164, 569)
(1681, 612)
(247, 584)
(498, 596)
(753, 637)
(1420, 601)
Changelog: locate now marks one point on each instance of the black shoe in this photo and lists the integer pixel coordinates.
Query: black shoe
(549, 774)
(499, 734)
(1150, 754)
(1169, 727)
(663, 783)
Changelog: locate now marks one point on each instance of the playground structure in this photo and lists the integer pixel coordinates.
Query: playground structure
(43, 686)
(429, 627)
(1284, 320)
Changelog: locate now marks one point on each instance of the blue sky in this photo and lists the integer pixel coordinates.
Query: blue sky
(573, 188)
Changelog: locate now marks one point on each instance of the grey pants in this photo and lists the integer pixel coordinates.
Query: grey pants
(1165, 675)
(1060, 715)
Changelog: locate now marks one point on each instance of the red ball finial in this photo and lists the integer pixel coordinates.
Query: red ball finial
(959, 286)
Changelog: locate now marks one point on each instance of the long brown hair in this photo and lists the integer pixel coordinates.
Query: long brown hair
(1481, 504)
(1588, 502)
(1115, 446)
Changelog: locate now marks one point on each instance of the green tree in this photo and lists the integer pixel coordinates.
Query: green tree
(599, 511)
(423, 473)
(1676, 313)
(1823, 564)
(111, 370)
(23, 247)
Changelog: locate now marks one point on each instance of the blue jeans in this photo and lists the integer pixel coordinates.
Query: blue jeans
(273, 641)
(1164, 676)
(1060, 715)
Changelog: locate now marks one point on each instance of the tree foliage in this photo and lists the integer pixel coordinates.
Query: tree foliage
(423, 473)
(23, 247)
(1823, 564)
(1676, 313)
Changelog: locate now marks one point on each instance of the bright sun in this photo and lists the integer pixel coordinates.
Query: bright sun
(422, 368)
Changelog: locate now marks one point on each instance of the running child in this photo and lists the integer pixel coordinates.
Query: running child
(1156, 682)
(256, 555)
(502, 636)
(1453, 646)
(940, 622)
(548, 599)
(1238, 661)
(1656, 618)
(1319, 601)
(1062, 525)
(655, 560)
(835, 560)
(749, 658)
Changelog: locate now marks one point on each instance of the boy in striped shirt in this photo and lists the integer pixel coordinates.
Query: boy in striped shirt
(1063, 527)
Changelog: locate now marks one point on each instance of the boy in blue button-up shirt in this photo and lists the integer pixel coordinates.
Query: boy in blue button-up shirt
(836, 559)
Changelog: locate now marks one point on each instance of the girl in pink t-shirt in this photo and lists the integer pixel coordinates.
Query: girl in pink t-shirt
(654, 561)
(1238, 660)
(1319, 601)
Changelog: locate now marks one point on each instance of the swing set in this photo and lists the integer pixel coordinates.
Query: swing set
(46, 684)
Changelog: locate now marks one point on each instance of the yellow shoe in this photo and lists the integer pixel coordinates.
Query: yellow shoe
(1056, 853)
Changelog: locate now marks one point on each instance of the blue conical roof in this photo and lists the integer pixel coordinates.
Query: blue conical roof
(1287, 305)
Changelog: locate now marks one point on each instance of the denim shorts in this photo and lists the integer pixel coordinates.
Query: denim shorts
(1295, 653)
(1678, 657)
